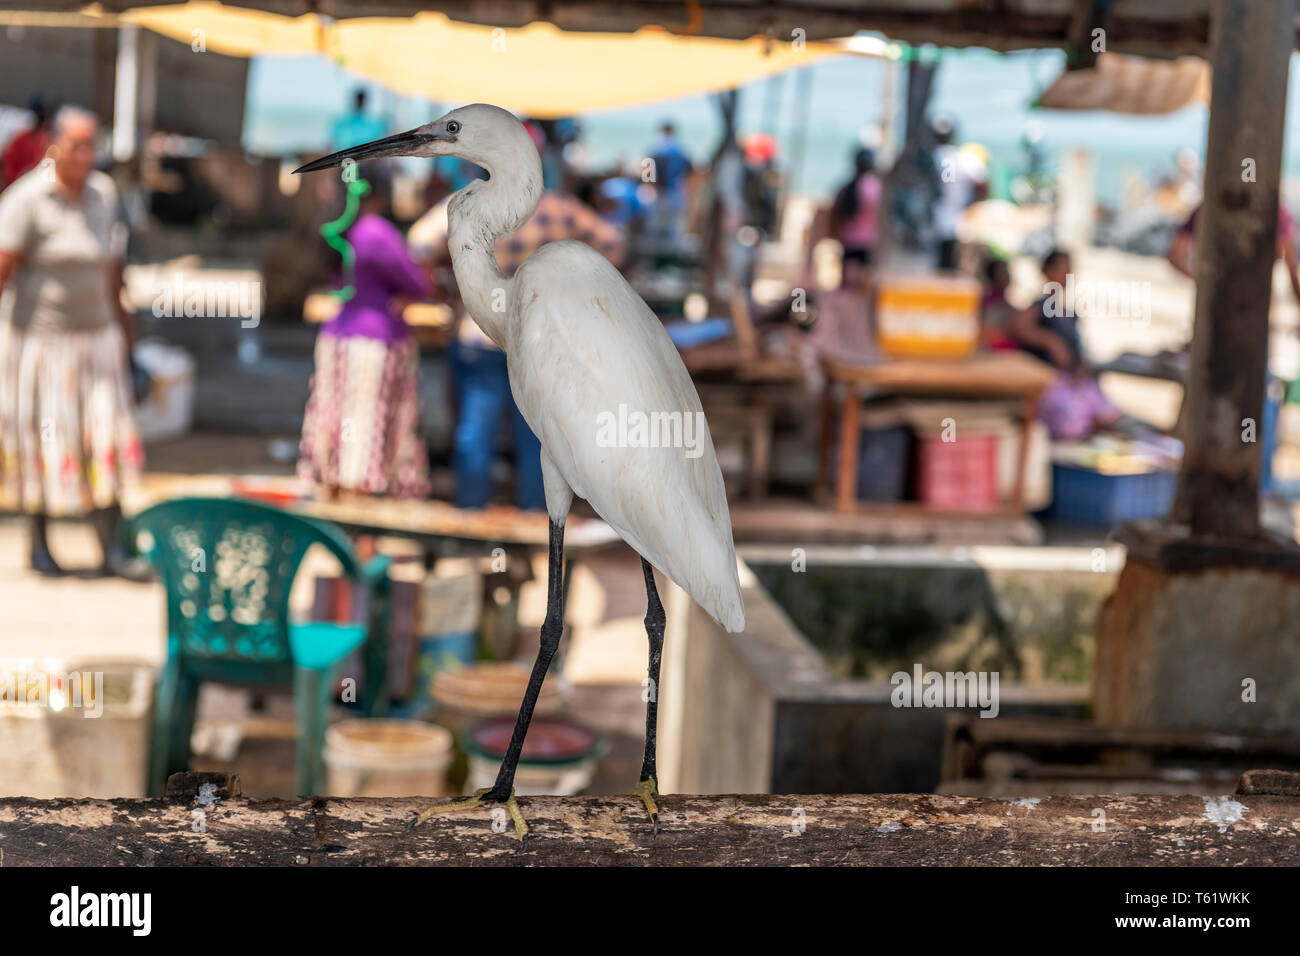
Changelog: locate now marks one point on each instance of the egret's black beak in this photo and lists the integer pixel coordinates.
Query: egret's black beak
(402, 144)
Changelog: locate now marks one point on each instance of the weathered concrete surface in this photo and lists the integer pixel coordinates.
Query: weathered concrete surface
(730, 830)
(1174, 648)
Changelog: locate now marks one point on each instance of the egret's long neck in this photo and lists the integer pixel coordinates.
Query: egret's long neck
(479, 215)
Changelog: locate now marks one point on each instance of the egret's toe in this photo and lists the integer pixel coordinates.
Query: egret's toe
(647, 790)
(482, 798)
(454, 806)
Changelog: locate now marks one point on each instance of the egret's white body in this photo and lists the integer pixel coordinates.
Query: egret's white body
(579, 343)
(582, 349)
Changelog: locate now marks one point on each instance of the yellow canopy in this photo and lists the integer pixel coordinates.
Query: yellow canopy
(232, 30)
(538, 70)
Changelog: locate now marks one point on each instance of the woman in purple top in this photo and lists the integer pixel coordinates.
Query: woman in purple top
(360, 430)
(855, 211)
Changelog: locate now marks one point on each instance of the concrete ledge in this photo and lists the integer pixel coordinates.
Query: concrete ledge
(888, 829)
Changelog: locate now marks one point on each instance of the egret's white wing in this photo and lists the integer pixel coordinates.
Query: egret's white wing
(586, 354)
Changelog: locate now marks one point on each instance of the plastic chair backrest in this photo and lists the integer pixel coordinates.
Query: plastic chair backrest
(228, 566)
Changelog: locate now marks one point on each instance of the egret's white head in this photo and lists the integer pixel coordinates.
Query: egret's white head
(480, 133)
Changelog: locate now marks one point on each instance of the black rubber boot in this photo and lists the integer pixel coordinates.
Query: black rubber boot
(115, 563)
(42, 562)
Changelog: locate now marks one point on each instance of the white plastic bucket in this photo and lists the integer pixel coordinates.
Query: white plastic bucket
(387, 758)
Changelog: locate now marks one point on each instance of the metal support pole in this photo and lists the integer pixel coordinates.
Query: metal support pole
(126, 94)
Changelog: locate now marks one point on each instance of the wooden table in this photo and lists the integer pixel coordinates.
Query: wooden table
(445, 530)
(1007, 375)
(750, 409)
(439, 525)
(441, 529)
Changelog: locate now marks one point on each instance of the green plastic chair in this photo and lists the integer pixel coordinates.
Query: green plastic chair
(228, 566)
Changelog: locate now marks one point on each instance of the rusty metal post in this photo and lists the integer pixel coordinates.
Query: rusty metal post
(1250, 49)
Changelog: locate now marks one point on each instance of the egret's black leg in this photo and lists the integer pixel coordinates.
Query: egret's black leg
(648, 786)
(552, 628)
(654, 631)
(503, 790)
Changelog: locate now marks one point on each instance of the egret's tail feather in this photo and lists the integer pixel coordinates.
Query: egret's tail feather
(725, 604)
(732, 617)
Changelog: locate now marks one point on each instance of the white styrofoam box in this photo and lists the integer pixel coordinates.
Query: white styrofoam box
(50, 747)
(168, 410)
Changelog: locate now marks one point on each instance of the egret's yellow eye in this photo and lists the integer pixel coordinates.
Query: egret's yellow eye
(453, 127)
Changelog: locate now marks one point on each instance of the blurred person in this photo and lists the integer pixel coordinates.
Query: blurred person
(761, 181)
(1181, 253)
(1045, 330)
(555, 140)
(963, 180)
(1034, 182)
(357, 126)
(845, 326)
(437, 186)
(480, 381)
(758, 187)
(855, 213)
(1187, 178)
(819, 228)
(1073, 408)
(68, 442)
(621, 200)
(995, 311)
(27, 148)
(455, 174)
(360, 431)
(672, 168)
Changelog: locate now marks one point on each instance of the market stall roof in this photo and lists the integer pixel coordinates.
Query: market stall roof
(538, 69)
(1162, 28)
(1131, 84)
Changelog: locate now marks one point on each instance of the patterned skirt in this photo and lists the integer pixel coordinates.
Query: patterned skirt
(68, 442)
(360, 430)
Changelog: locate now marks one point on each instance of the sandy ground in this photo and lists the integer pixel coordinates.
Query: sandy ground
(73, 617)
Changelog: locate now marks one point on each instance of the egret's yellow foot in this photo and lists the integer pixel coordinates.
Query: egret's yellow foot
(473, 803)
(647, 790)
(521, 825)
(453, 807)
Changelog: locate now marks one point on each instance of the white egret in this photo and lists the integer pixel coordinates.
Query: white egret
(600, 384)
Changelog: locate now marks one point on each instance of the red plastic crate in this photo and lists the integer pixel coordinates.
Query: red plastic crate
(959, 475)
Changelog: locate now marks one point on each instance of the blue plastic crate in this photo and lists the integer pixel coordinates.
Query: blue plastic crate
(882, 463)
(883, 458)
(1084, 496)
